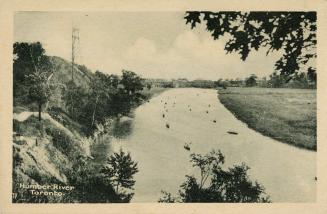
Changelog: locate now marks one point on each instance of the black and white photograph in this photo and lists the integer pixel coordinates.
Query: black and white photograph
(193, 106)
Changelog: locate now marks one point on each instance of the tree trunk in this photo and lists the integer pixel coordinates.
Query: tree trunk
(40, 109)
(117, 189)
(93, 115)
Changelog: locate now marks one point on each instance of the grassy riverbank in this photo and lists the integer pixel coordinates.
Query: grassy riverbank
(287, 115)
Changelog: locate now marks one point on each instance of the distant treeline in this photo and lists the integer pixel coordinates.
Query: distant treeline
(299, 80)
(180, 83)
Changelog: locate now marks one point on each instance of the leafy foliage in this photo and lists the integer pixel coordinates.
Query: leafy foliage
(62, 141)
(31, 66)
(90, 186)
(74, 97)
(131, 82)
(251, 80)
(89, 105)
(206, 163)
(39, 91)
(120, 170)
(232, 185)
(31, 71)
(292, 32)
(100, 97)
(108, 96)
(167, 198)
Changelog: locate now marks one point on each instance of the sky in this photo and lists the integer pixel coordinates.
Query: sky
(152, 44)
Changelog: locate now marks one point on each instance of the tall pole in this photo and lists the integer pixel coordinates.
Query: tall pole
(75, 37)
(73, 57)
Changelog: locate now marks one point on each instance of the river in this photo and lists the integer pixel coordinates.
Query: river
(286, 172)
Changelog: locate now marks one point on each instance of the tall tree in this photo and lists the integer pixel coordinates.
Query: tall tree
(75, 98)
(131, 82)
(39, 91)
(276, 80)
(292, 32)
(251, 80)
(32, 69)
(29, 58)
(99, 98)
(120, 170)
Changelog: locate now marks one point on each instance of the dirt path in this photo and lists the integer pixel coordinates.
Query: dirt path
(45, 116)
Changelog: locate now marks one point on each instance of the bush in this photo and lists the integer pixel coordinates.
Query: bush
(29, 127)
(119, 171)
(108, 185)
(62, 141)
(232, 185)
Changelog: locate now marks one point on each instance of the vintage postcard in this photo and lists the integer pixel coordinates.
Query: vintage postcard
(165, 108)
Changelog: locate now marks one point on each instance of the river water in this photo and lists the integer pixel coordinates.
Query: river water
(286, 172)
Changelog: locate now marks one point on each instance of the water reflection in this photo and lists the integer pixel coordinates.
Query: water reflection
(122, 128)
(102, 147)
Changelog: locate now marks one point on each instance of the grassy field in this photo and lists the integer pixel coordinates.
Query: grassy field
(287, 115)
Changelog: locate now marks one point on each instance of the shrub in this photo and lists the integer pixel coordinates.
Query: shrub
(108, 185)
(119, 171)
(232, 185)
(62, 141)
